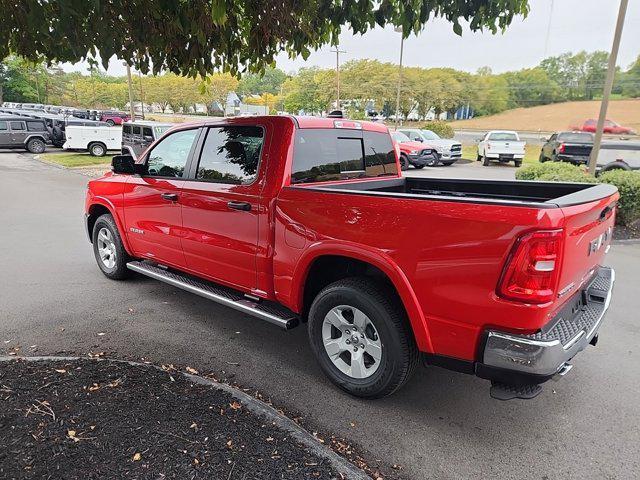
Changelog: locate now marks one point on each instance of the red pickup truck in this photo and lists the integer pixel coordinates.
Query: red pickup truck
(308, 219)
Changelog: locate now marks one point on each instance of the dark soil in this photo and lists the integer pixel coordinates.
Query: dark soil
(101, 419)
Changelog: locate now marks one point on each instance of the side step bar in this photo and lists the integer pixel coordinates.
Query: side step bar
(270, 311)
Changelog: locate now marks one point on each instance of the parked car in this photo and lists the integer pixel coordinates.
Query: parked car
(308, 219)
(414, 153)
(618, 155)
(448, 150)
(572, 147)
(22, 132)
(138, 135)
(501, 145)
(609, 127)
(97, 140)
(114, 118)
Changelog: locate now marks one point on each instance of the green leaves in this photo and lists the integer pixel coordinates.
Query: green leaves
(198, 37)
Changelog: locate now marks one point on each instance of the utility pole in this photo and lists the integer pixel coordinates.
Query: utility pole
(608, 84)
(546, 39)
(132, 113)
(338, 52)
(141, 94)
(399, 29)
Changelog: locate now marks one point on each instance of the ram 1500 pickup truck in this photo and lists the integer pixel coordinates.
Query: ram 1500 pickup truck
(308, 219)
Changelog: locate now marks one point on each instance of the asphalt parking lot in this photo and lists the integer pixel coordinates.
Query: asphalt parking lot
(442, 425)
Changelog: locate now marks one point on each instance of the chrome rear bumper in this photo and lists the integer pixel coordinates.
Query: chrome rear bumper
(544, 354)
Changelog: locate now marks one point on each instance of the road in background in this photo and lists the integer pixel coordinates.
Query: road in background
(441, 425)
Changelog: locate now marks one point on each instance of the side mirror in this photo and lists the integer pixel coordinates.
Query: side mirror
(125, 165)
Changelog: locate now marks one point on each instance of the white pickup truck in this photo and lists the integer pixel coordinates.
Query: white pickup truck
(502, 146)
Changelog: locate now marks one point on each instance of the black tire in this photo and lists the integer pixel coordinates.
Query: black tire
(399, 351)
(486, 162)
(478, 158)
(542, 158)
(518, 163)
(448, 164)
(419, 167)
(36, 145)
(404, 162)
(110, 122)
(119, 270)
(97, 149)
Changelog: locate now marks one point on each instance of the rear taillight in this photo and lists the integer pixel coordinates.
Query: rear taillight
(561, 148)
(532, 269)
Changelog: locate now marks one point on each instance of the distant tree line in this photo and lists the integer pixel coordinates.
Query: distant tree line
(363, 84)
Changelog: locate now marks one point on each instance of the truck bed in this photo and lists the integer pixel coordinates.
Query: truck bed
(523, 193)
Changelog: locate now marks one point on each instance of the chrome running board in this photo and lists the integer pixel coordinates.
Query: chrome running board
(271, 312)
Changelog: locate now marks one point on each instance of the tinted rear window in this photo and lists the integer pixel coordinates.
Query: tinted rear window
(504, 136)
(322, 155)
(575, 137)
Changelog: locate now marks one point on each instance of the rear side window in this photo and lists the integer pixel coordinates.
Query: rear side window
(3, 126)
(322, 155)
(147, 132)
(137, 130)
(35, 126)
(17, 126)
(231, 155)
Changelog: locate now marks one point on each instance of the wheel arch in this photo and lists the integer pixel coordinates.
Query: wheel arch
(325, 264)
(101, 206)
(616, 165)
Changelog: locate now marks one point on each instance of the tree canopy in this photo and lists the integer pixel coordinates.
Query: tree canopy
(191, 37)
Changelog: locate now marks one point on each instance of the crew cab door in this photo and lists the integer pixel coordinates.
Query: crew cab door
(152, 201)
(221, 203)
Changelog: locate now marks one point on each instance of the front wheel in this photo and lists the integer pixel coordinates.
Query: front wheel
(404, 163)
(359, 333)
(518, 163)
(418, 167)
(97, 150)
(542, 158)
(486, 162)
(110, 122)
(111, 256)
(36, 145)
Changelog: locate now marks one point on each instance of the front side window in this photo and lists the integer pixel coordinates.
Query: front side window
(126, 129)
(17, 126)
(147, 132)
(169, 157)
(3, 126)
(137, 130)
(231, 154)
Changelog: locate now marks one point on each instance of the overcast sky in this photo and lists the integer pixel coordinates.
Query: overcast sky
(575, 25)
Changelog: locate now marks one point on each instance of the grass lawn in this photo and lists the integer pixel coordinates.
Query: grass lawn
(531, 152)
(75, 159)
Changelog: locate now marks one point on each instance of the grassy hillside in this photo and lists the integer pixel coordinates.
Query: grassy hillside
(558, 116)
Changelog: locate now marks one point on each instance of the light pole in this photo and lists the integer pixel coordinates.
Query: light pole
(338, 52)
(399, 29)
(131, 111)
(141, 95)
(608, 84)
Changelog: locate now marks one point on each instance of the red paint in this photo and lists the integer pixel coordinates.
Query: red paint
(444, 258)
(610, 127)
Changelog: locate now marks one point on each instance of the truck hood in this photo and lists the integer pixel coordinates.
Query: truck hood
(444, 143)
(409, 146)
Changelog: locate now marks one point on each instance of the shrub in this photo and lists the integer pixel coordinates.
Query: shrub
(554, 171)
(628, 184)
(443, 129)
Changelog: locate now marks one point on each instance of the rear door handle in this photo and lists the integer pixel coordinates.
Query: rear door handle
(171, 197)
(244, 206)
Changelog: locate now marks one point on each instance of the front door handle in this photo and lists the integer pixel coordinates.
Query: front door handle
(245, 206)
(170, 197)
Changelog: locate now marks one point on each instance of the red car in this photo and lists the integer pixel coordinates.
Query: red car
(114, 118)
(609, 127)
(413, 153)
(302, 219)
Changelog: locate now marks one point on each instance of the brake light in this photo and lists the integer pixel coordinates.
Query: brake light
(561, 148)
(533, 267)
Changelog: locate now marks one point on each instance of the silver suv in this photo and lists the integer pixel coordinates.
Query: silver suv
(23, 132)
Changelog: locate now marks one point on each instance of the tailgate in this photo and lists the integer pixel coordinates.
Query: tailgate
(588, 229)
(506, 147)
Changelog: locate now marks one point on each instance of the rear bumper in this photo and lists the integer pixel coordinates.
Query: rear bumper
(575, 159)
(526, 359)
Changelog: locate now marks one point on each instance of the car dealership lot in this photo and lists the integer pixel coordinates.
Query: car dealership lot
(441, 425)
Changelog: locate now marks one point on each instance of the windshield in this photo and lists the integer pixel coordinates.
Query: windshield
(160, 130)
(576, 137)
(400, 137)
(429, 135)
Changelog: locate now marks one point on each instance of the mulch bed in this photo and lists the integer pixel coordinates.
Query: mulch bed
(101, 419)
(630, 232)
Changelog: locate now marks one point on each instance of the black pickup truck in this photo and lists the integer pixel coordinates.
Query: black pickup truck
(572, 147)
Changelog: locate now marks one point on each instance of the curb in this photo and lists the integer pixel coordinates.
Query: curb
(340, 464)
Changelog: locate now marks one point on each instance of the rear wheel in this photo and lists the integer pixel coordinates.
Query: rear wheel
(360, 336)
(111, 256)
(36, 145)
(486, 162)
(110, 122)
(542, 158)
(518, 163)
(97, 149)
